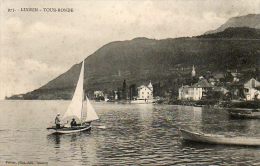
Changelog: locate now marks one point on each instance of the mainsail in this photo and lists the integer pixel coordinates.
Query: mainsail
(75, 107)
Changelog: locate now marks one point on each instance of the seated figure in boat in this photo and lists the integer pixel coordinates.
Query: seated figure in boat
(57, 121)
(73, 123)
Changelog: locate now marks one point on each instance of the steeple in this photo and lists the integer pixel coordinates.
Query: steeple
(150, 86)
(193, 72)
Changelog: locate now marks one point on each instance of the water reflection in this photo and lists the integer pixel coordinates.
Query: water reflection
(197, 114)
(81, 149)
(146, 112)
(189, 117)
(54, 138)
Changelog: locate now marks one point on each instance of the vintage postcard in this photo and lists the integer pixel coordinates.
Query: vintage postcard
(129, 82)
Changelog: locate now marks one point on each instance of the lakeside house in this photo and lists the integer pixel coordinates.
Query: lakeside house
(98, 94)
(145, 92)
(101, 96)
(196, 91)
(252, 89)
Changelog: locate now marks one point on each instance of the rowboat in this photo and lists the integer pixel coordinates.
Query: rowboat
(76, 111)
(252, 115)
(218, 139)
(243, 113)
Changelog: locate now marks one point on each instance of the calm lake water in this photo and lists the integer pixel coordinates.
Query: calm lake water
(134, 135)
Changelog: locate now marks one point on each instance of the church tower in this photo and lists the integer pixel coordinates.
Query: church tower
(150, 86)
(193, 72)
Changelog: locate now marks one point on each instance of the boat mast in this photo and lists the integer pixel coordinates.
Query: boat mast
(82, 95)
(82, 107)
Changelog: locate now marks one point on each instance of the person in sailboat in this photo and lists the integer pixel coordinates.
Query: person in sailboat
(73, 123)
(58, 121)
(76, 109)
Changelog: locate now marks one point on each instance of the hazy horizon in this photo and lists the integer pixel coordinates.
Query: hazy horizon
(37, 47)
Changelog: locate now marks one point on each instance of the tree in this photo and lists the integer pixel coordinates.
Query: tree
(132, 91)
(118, 93)
(124, 91)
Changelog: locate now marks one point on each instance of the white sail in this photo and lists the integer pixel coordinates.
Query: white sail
(91, 113)
(75, 107)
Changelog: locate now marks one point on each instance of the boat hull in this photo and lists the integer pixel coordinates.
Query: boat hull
(218, 139)
(243, 113)
(245, 116)
(68, 130)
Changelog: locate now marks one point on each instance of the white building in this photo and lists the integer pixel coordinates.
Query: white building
(251, 89)
(98, 93)
(116, 95)
(194, 92)
(145, 92)
(190, 93)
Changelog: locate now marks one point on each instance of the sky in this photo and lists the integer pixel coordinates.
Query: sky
(36, 47)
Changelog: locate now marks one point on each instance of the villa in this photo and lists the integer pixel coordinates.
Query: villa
(145, 93)
(252, 89)
(196, 91)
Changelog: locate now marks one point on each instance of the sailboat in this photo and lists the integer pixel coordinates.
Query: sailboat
(75, 110)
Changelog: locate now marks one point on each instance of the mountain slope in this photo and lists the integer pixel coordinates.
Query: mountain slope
(235, 33)
(167, 63)
(251, 21)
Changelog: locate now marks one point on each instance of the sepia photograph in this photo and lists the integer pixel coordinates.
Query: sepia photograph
(129, 82)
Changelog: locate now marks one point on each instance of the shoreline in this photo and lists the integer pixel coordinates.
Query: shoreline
(199, 103)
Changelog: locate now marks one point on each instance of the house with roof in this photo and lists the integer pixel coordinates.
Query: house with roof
(252, 89)
(196, 91)
(190, 93)
(145, 92)
(98, 93)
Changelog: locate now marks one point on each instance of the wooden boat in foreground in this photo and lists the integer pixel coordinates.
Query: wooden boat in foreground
(75, 110)
(218, 139)
(243, 113)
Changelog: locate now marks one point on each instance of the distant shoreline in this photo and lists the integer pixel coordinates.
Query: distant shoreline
(200, 103)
